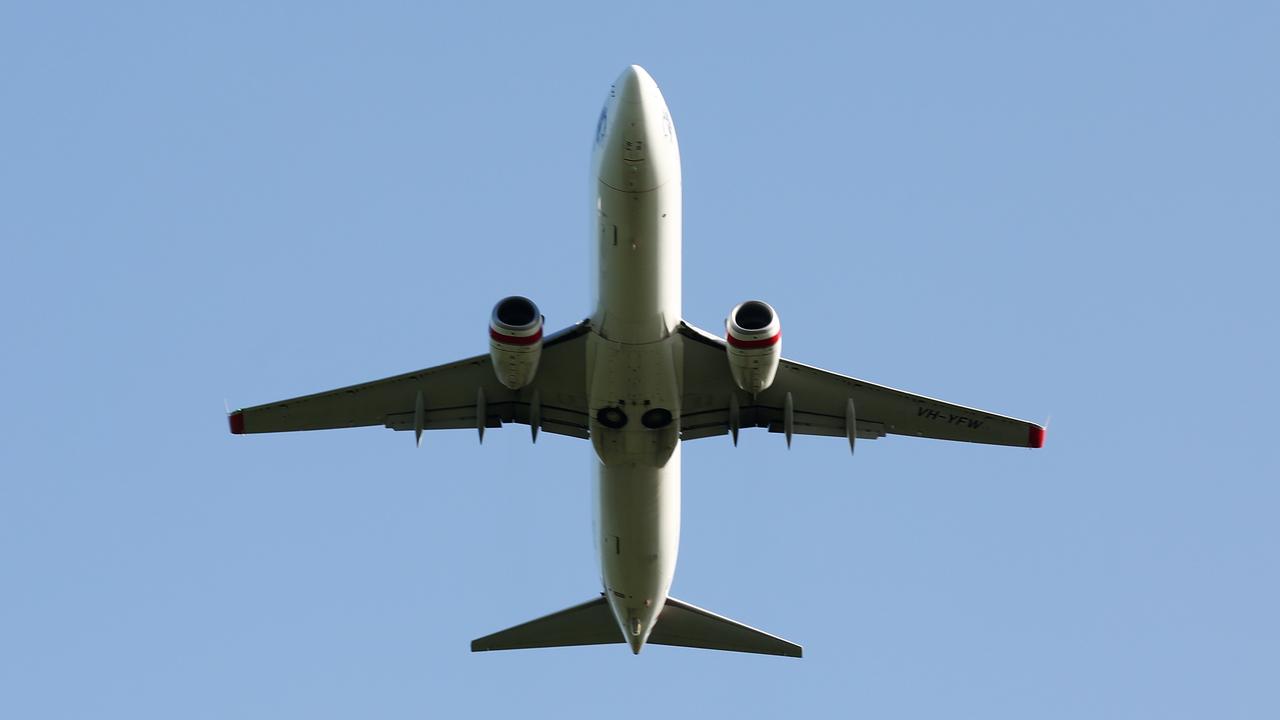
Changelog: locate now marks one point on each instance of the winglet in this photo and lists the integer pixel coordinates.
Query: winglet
(236, 420)
(1035, 438)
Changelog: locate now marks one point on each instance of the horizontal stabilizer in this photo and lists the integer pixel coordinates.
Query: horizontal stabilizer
(592, 623)
(690, 626)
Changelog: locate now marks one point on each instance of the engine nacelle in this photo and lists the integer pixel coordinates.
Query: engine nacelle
(515, 340)
(754, 335)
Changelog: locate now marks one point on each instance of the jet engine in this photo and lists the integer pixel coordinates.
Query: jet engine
(515, 340)
(754, 336)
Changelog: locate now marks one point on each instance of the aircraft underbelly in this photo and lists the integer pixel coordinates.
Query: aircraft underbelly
(638, 476)
(639, 522)
(633, 354)
(638, 259)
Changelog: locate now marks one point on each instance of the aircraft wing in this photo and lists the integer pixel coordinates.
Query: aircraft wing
(462, 394)
(825, 403)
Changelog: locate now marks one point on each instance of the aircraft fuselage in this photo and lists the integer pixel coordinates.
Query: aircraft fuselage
(633, 359)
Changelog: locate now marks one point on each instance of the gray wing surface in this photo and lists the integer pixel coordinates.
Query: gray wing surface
(820, 404)
(455, 395)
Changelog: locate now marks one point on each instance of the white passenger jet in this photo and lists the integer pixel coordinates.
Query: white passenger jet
(637, 380)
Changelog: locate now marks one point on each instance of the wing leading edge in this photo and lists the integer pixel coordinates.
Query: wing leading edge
(820, 402)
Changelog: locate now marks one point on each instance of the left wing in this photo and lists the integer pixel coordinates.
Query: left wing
(819, 402)
(463, 394)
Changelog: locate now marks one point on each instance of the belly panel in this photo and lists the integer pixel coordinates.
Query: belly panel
(639, 526)
(638, 260)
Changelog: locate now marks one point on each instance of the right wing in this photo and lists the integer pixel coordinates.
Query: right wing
(822, 403)
(462, 394)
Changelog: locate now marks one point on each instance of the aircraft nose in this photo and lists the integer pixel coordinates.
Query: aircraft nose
(634, 85)
(636, 148)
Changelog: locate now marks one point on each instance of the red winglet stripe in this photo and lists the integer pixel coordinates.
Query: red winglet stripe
(513, 340)
(752, 344)
(1036, 437)
(236, 419)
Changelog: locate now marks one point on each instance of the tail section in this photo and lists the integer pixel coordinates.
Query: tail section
(590, 623)
(690, 626)
(679, 623)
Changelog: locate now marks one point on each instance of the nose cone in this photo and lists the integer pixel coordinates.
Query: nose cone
(635, 84)
(636, 148)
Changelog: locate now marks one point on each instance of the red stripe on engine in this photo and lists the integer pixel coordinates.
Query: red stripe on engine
(752, 344)
(513, 340)
(236, 419)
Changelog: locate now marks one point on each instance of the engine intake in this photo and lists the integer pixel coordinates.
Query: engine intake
(754, 336)
(515, 340)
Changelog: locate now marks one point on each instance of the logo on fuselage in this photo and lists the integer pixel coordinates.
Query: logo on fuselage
(602, 124)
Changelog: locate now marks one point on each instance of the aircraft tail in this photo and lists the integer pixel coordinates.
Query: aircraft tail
(679, 623)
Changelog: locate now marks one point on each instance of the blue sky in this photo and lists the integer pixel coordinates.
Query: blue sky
(1039, 209)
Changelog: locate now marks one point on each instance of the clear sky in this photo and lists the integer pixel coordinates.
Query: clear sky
(1042, 209)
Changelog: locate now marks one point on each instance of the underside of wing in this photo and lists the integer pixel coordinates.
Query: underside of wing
(462, 394)
(806, 400)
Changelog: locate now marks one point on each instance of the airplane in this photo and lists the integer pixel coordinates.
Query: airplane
(637, 381)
